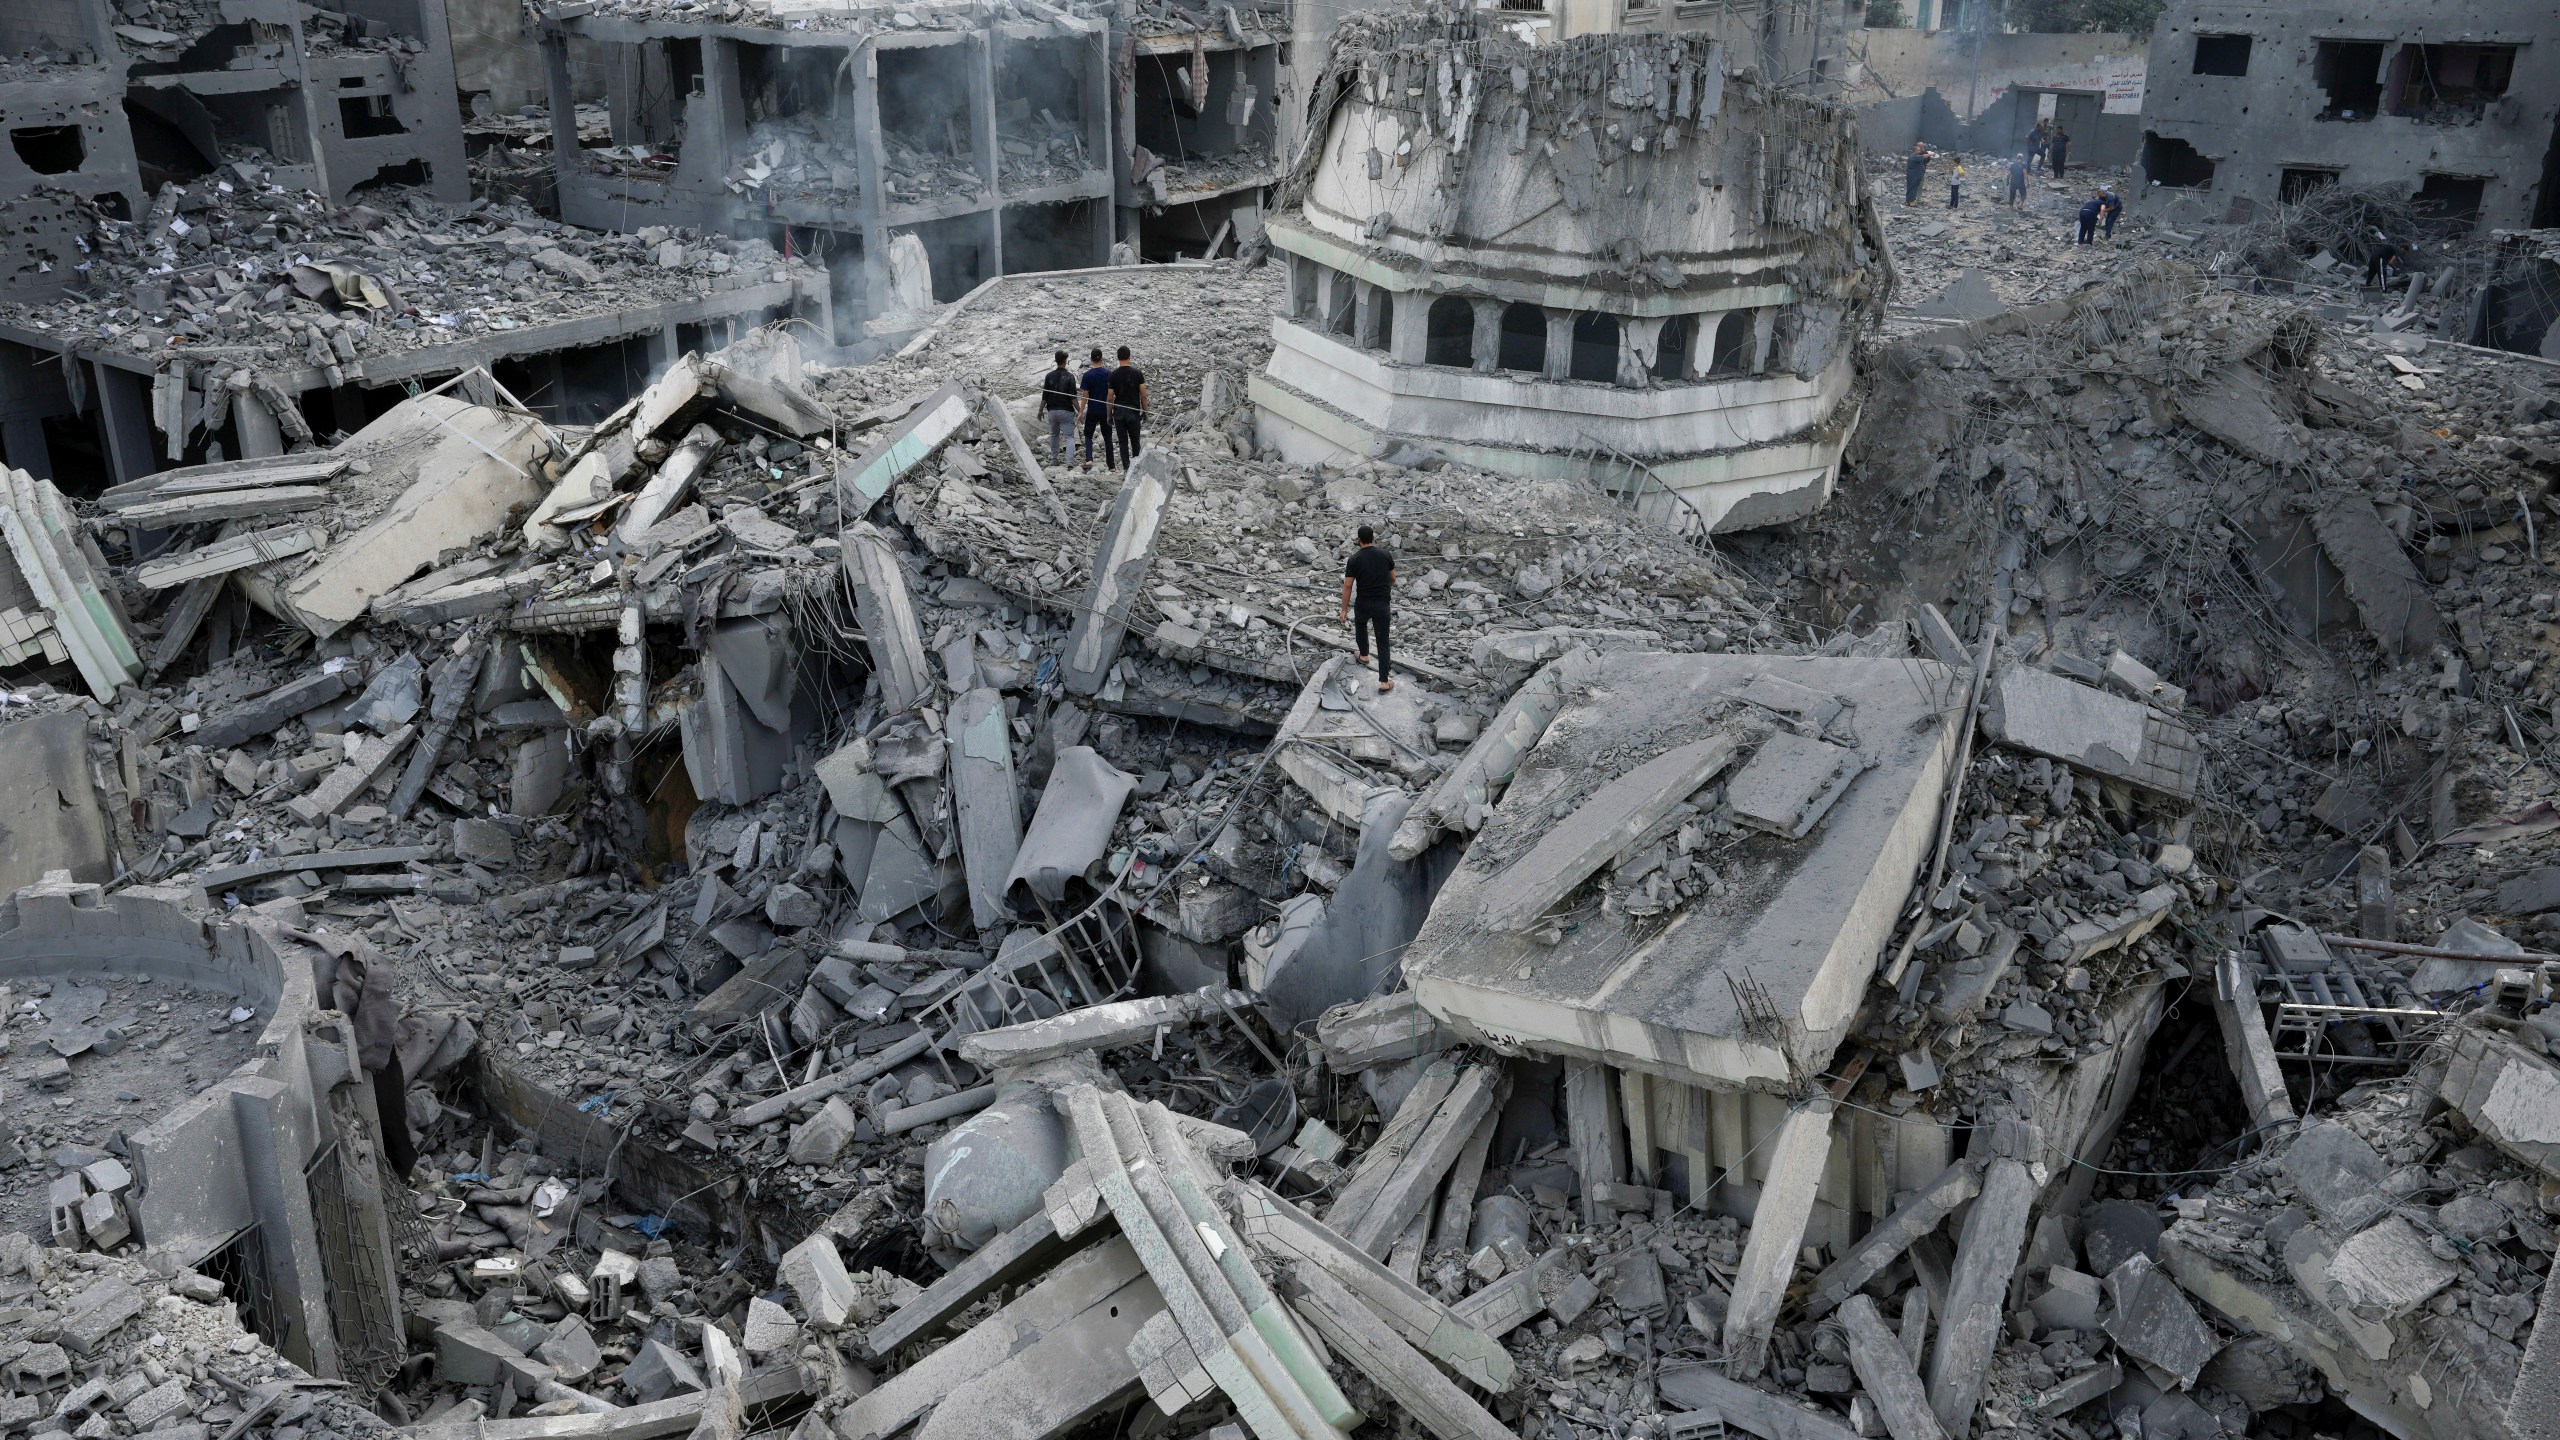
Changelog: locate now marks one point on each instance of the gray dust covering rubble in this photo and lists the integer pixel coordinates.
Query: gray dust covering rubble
(672, 876)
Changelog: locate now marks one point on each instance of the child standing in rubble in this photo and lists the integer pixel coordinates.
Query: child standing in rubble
(1955, 186)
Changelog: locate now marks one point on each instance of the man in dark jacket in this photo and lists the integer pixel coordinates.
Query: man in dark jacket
(2058, 147)
(1128, 405)
(1058, 406)
(1095, 388)
(1915, 168)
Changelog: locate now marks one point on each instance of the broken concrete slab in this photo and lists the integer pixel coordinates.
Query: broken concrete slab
(49, 810)
(2389, 1269)
(2044, 714)
(339, 788)
(1790, 782)
(2337, 1174)
(989, 803)
(1608, 822)
(888, 616)
(2151, 1319)
(1093, 1027)
(1778, 1220)
(2391, 598)
(461, 469)
(862, 481)
(1122, 558)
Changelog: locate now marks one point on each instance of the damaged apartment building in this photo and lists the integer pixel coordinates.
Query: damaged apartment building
(920, 150)
(1622, 257)
(603, 838)
(2254, 106)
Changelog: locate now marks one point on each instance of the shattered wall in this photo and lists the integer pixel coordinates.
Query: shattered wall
(1604, 258)
(2454, 108)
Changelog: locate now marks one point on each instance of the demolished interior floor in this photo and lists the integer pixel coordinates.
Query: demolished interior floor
(785, 912)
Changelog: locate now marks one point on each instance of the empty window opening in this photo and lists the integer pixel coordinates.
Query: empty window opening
(1671, 348)
(2451, 199)
(2298, 183)
(1732, 355)
(1524, 338)
(2451, 83)
(2167, 160)
(2222, 54)
(49, 149)
(1303, 276)
(1341, 304)
(394, 177)
(1595, 348)
(2349, 72)
(1382, 321)
(1449, 334)
(363, 116)
(927, 125)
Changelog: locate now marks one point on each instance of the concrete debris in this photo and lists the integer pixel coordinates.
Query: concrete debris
(756, 898)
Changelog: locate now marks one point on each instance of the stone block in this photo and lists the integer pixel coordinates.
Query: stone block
(2151, 1320)
(2069, 1300)
(1791, 782)
(823, 1136)
(483, 842)
(2337, 1174)
(816, 1274)
(2389, 1269)
(2045, 714)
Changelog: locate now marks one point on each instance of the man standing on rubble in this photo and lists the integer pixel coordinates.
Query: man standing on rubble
(1058, 404)
(1096, 403)
(1915, 168)
(1128, 405)
(2017, 196)
(2059, 147)
(1368, 577)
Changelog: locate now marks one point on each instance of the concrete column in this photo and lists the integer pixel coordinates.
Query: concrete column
(1488, 337)
(124, 418)
(258, 432)
(1591, 1122)
(1796, 1163)
(271, 1154)
(662, 350)
(2246, 1046)
(1637, 337)
(1559, 344)
(1986, 1257)
(22, 441)
(1876, 1354)
(867, 165)
(1413, 325)
(1764, 334)
(982, 124)
(621, 91)
(564, 108)
(1365, 300)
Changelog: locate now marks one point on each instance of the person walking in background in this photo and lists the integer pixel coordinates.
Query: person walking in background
(1096, 402)
(1915, 168)
(2059, 147)
(1058, 406)
(2037, 139)
(1368, 577)
(1128, 405)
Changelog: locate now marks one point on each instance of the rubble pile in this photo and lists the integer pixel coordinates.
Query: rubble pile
(239, 277)
(796, 908)
(104, 1343)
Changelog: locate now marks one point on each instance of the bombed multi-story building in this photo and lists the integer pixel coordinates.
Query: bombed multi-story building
(1620, 256)
(2257, 104)
(920, 150)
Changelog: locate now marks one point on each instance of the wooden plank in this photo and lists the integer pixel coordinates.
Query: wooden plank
(238, 552)
(224, 505)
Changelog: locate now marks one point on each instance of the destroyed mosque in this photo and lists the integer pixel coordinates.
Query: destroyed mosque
(625, 814)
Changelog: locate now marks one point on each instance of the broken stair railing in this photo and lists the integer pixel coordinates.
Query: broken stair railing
(2330, 1010)
(1089, 958)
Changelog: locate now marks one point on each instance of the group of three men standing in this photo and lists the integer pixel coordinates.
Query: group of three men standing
(1110, 399)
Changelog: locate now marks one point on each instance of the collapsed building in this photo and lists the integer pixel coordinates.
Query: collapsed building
(755, 897)
(1605, 258)
(114, 99)
(2454, 110)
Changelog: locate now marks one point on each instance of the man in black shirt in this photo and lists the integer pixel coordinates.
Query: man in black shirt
(1367, 577)
(1058, 404)
(1128, 404)
(1096, 401)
